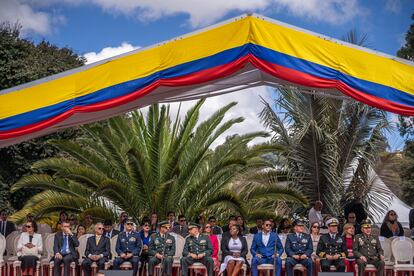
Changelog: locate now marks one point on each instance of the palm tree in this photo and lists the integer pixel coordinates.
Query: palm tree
(142, 164)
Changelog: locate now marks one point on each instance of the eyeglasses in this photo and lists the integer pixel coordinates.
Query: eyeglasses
(28, 226)
(182, 220)
(315, 227)
(268, 224)
(146, 225)
(100, 228)
(129, 223)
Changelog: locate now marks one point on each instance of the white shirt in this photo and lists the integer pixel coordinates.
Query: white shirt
(24, 239)
(315, 216)
(265, 238)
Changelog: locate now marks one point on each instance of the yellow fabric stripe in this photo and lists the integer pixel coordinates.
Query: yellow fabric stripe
(350, 61)
(127, 68)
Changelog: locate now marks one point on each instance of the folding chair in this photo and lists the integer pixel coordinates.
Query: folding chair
(2, 249)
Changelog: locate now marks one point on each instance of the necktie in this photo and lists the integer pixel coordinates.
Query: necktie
(98, 238)
(65, 243)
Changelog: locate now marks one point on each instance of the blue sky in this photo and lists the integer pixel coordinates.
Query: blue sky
(101, 28)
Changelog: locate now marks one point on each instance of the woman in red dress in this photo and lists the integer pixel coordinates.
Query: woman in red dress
(348, 238)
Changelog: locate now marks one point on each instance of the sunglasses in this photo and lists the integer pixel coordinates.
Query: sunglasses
(100, 228)
(146, 225)
(129, 223)
(182, 220)
(28, 226)
(268, 224)
(315, 227)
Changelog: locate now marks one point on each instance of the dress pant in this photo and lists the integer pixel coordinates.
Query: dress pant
(134, 261)
(86, 264)
(166, 266)
(277, 262)
(291, 262)
(378, 263)
(187, 261)
(339, 265)
(66, 260)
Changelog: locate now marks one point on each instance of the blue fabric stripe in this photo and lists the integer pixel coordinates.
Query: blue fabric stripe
(221, 58)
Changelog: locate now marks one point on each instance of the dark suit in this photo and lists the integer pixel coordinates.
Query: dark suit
(332, 246)
(180, 230)
(68, 256)
(103, 249)
(6, 227)
(112, 234)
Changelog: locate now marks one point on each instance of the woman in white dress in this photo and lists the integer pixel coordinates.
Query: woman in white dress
(234, 249)
(29, 248)
(314, 232)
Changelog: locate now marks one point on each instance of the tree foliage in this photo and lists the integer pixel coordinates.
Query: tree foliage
(407, 173)
(144, 163)
(22, 61)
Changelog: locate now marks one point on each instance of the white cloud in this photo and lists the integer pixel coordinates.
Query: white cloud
(200, 13)
(31, 20)
(108, 52)
(393, 6)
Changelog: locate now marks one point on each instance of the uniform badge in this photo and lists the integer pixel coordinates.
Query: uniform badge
(132, 239)
(374, 241)
(169, 241)
(339, 240)
(304, 241)
(361, 242)
(202, 241)
(123, 240)
(157, 241)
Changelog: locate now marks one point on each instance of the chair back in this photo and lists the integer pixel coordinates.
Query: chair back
(249, 239)
(44, 229)
(10, 243)
(113, 246)
(375, 231)
(179, 246)
(15, 242)
(219, 248)
(386, 246)
(403, 250)
(407, 233)
(49, 243)
(82, 244)
(283, 238)
(2, 246)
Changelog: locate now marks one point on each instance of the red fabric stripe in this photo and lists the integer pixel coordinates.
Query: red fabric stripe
(284, 73)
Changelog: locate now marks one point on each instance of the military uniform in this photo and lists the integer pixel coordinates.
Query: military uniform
(164, 246)
(332, 244)
(128, 243)
(368, 246)
(197, 245)
(298, 244)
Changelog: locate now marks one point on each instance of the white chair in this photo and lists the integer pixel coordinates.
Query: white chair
(81, 249)
(388, 258)
(11, 246)
(407, 232)
(44, 229)
(2, 249)
(403, 252)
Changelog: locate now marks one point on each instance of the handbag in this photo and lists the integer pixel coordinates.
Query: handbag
(26, 251)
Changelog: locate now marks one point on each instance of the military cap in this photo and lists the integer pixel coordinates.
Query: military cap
(298, 222)
(164, 223)
(332, 222)
(129, 219)
(366, 223)
(192, 225)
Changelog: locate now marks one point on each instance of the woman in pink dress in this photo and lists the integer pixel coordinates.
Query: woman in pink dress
(215, 244)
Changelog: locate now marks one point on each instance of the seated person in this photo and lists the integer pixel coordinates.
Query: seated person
(98, 249)
(332, 248)
(367, 249)
(299, 249)
(161, 249)
(197, 248)
(64, 249)
(264, 246)
(128, 246)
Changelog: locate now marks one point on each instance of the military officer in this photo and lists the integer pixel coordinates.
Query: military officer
(299, 249)
(161, 249)
(197, 248)
(367, 250)
(128, 246)
(332, 248)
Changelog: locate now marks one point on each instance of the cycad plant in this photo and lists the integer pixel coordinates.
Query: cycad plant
(146, 163)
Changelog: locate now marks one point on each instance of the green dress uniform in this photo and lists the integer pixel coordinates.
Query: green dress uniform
(370, 247)
(164, 245)
(197, 245)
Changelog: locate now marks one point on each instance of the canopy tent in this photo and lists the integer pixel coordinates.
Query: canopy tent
(242, 52)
